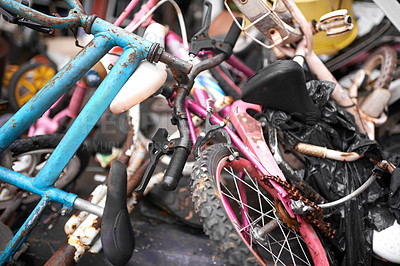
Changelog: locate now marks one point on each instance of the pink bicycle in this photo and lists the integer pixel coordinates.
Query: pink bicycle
(238, 189)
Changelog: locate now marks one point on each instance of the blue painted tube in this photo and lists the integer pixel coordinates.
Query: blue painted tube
(27, 183)
(88, 117)
(53, 90)
(24, 231)
(123, 38)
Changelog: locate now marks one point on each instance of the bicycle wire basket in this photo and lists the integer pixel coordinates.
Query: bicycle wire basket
(270, 17)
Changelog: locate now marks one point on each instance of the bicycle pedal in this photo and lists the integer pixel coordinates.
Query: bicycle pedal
(335, 23)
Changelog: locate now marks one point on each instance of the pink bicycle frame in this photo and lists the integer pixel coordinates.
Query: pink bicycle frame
(254, 147)
(48, 125)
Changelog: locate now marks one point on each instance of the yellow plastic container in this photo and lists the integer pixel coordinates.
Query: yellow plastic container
(314, 9)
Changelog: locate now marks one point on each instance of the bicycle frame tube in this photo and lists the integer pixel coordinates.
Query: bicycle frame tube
(23, 232)
(306, 229)
(106, 36)
(197, 109)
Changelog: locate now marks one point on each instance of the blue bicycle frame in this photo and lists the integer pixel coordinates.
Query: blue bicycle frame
(106, 36)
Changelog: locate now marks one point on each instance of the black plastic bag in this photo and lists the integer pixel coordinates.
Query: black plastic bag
(336, 130)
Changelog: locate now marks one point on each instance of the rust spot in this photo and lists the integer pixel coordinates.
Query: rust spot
(345, 155)
(74, 241)
(97, 223)
(63, 256)
(132, 57)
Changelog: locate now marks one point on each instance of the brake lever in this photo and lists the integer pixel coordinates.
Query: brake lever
(157, 148)
(35, 26)
(15, 19)
(210, 131)
(8, 16)
(202, 41)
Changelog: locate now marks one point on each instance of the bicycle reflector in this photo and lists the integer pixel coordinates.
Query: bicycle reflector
(273, 20)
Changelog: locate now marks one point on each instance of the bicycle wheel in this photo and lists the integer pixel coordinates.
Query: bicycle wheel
(234, 206)
(27, 81)
(30, 155)
(380, 67)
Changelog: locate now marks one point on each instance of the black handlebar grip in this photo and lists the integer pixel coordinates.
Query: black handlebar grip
(175, 168)
(233, 33)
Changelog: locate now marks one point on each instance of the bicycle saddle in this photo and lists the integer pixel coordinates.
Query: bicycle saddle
(282, 86)
(117, 235)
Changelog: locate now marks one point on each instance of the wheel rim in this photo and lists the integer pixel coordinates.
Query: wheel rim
(373, 70)
(249, 207)
(380, 67)
(31, 82)
(30, 163)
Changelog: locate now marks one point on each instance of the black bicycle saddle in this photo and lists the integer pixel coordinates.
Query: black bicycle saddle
(117, 235)
(281, 86)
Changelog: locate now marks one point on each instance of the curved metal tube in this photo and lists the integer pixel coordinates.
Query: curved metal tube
(355, 193)
(302, 21)
(205, 64)
(323, 152)
(75, 18)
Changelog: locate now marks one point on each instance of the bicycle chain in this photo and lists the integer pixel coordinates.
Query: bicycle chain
(312, 217)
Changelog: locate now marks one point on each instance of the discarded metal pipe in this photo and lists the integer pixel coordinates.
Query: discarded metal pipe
(323, 152)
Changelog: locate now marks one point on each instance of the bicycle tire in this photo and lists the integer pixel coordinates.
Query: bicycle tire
(35, 150)
(238, 247)
(386, 58)
(27, 81)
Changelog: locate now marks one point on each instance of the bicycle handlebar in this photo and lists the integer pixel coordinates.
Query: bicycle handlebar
(233, 33)
(76, 17)
(183, 145)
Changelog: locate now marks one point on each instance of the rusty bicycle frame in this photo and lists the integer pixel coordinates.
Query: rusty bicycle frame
(106, 36)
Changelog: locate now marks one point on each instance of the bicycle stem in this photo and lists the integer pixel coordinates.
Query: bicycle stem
(183, 145)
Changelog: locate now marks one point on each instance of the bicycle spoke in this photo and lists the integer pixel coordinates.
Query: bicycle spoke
(284, 244)
(242, 197)
(248, 206)
(284, 241)
(234, 175)
(259, 202)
